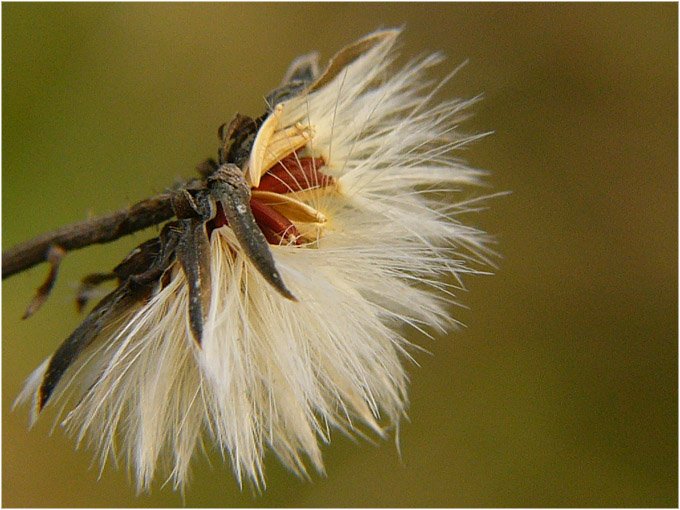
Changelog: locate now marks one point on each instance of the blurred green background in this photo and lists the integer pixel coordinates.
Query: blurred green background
(561, 391)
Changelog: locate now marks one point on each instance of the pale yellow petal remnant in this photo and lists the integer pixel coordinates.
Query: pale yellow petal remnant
(273, 144)
(349, 54)
(290, 207)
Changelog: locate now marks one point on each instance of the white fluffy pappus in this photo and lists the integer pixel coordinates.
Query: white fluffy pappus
(276, 374)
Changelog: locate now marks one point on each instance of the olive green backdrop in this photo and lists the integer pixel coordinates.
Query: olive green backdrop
(561, 390)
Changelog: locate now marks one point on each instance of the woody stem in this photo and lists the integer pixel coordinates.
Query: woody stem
(104, 229)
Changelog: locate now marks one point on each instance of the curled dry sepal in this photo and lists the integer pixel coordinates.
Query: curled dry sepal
(273, 307)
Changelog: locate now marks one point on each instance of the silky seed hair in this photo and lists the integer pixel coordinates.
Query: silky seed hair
(365, 205)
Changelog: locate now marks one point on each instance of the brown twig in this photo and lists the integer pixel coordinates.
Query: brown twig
(141, 215)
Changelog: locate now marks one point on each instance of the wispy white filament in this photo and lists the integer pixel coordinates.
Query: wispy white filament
(275, 374)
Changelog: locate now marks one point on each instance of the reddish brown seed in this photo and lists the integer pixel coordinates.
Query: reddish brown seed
(274, 225)
(270, 236)
(219, 220)
(293, 173)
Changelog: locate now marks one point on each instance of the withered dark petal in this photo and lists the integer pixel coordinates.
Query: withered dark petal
(229, 187)
(142, 269)
(193, 253)
(109, 308)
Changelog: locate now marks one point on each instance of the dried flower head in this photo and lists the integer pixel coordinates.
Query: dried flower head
(353, 183)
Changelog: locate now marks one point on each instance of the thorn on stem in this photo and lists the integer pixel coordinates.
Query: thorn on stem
(87, 285)
(54, 255)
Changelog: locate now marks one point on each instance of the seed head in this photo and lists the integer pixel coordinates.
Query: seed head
(355, 185)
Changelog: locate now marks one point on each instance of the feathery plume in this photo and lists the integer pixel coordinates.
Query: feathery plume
(353, 183)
